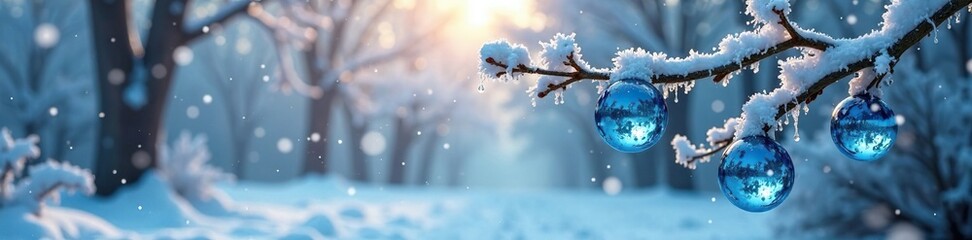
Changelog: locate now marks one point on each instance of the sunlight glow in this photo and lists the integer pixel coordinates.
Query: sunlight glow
(483, 13)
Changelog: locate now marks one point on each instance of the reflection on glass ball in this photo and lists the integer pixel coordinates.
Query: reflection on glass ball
(863, 127)
(631, 115)
(756, 174)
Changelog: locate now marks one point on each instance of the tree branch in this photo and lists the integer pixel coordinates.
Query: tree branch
(577, 75)
(280, 31)
(193, 30)
(895, 50)
(796, 40)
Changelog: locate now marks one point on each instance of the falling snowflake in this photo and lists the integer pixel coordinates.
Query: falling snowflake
(46, 35)
(373, 143)
(182, 55)
(612, 186)
(192, 112)
(284, 145)
(718, 106)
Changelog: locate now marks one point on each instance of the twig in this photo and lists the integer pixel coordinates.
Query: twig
(577, 75)
(722, 146)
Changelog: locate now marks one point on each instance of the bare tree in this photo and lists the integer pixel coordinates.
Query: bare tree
(134, 80)
(338, 39)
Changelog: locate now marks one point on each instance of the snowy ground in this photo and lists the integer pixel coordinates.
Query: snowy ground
(324, 208)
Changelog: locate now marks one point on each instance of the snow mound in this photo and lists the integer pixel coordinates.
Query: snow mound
(19, 222)
(149, 204)
(322, 224)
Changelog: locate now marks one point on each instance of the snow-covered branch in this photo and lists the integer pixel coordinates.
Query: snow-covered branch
(43, 180)
(47, 179)
(735, 52)
(13, 156)
(823, 61)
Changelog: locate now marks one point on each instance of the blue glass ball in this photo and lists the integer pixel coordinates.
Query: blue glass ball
(756, 174)
(863, 127)
(631, 115)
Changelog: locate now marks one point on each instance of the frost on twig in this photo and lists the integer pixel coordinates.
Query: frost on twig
(823, 60)
(561, 64)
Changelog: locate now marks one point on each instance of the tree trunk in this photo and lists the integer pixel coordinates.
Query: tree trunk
(110, 30)
(427, 159)
(318, 114)
(315, 156)
(457, 163)
(359, 162)
(396, 169)
(129, 134)
(240, 153)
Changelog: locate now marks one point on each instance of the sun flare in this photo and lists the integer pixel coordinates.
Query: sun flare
(492, 13)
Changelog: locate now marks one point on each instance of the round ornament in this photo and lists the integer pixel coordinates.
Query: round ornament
(756, 174)
(631, 115)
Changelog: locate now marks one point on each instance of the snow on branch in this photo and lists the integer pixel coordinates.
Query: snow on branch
(823, 61)
(734, 53)
(42, 181)
(689, 155)
(560, 58)
(14, 152)
(47, 179)
(13, 156)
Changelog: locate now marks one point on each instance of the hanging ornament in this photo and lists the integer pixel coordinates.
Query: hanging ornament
(631, 115)
(863, 127)
(756, 174)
